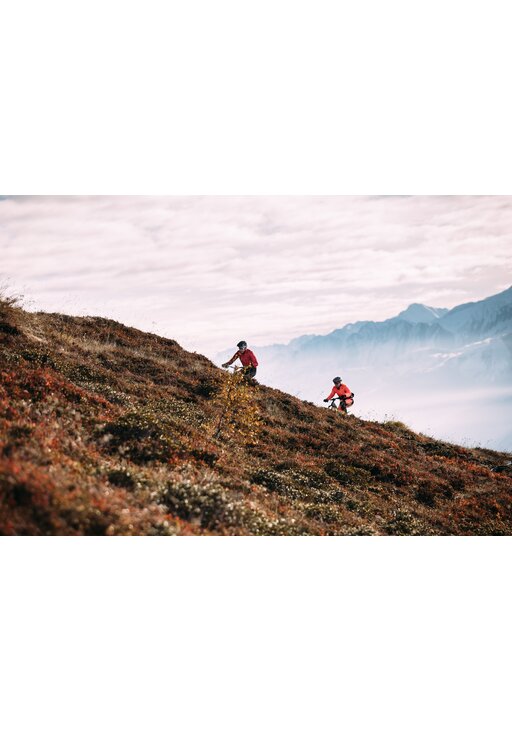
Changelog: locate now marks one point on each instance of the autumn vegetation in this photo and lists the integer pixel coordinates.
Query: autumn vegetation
(106, 430)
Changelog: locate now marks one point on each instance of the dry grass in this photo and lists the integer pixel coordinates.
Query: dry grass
(10, 313)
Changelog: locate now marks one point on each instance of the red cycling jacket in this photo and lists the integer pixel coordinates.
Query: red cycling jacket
(342, 391)
(247, 358)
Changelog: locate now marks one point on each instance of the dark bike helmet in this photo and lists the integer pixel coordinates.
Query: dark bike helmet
(337, 380)
(241, 344)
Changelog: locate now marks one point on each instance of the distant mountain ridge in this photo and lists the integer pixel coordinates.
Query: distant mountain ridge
(491, 316)
(418, 325)
(488, 317)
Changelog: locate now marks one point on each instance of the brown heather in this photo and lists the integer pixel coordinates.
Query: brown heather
(108, 430)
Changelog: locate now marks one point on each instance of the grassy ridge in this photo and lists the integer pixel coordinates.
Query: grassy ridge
(105, 429)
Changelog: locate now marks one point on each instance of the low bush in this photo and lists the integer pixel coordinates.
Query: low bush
(139, 437)
(122, 477)
(205, 504)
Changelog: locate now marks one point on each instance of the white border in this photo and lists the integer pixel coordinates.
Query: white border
(192, 634)
(277, 97)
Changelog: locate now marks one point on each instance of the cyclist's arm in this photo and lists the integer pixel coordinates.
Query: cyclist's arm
(231, 360)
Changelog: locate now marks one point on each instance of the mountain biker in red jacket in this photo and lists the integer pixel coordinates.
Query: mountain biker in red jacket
(342, 391)
(248, 359)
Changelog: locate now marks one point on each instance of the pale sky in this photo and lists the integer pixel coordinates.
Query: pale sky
(211, 270)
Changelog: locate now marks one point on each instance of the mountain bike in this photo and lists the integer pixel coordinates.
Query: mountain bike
(342, 400)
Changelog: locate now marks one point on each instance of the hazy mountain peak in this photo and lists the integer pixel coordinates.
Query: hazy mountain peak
(418, 313)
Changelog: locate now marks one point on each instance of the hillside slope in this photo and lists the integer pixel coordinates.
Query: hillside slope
(108, 430)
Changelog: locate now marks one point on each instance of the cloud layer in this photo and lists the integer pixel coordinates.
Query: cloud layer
(211, 270)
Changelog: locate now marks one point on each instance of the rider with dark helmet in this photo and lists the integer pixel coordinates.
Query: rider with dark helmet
(342, 391)
(247, 357)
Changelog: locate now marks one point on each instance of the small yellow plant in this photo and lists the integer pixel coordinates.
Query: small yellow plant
(236, 415)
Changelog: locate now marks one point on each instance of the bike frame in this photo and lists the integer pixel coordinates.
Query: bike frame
(333, 405)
